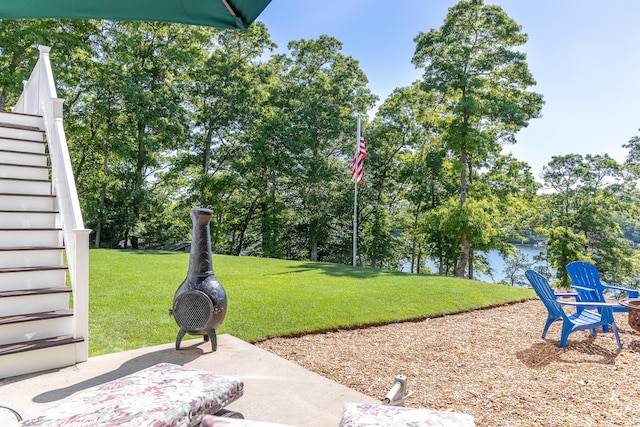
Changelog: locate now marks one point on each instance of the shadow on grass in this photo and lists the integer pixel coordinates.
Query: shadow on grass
(332, 269)
(340, 270)
(149, 252)
(176, 357)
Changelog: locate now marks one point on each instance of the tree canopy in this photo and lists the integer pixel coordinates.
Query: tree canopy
(482, 86)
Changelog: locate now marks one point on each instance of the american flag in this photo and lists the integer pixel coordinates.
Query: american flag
(358, 159)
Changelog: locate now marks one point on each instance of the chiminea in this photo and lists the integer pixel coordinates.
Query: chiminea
(200, 302)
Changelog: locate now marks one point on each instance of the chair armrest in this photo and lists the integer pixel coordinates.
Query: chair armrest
(585, 293)
(633, 293)
(588, 304)
(582, 288)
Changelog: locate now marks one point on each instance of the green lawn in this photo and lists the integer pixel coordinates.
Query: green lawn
(131, 292)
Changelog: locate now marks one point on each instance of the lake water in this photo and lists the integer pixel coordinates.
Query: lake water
(496, 264)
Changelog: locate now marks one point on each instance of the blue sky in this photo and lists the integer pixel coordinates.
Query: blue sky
(584, 55)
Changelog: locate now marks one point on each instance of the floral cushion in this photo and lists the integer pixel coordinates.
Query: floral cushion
(368, 415)
(162, 395)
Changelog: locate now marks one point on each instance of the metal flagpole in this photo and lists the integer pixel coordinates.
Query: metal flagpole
(355, 223)
(355, 198)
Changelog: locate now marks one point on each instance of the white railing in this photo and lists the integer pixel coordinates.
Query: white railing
(39, 97)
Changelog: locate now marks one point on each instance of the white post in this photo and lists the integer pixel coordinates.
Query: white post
(81, 293)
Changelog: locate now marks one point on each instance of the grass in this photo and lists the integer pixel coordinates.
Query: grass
(130, 294)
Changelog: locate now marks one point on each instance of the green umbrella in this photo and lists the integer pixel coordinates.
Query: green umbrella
(215, 13)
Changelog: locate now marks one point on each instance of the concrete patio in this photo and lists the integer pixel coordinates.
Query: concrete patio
(275, 390)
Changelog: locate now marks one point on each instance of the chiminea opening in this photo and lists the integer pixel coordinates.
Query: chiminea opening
(200, 302)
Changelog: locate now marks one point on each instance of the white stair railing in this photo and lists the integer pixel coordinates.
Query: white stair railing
(39, 97)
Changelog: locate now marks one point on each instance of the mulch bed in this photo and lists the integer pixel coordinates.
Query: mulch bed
(491, 364)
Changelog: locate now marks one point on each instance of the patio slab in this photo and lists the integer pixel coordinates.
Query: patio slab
(275, 390)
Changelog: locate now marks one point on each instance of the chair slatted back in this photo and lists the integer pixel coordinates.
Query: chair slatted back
(544, 292)
(585, 275)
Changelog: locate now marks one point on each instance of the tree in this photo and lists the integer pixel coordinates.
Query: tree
(228, 94)
(579, 215)
(514, 188)
(482, 84)
(391, 139)
(429, 182)
(150, 59)
(321, 92)
(632, 162)
(631, 169)
(515, 263)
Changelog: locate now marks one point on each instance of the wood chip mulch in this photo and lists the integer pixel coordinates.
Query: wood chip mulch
(491, 364)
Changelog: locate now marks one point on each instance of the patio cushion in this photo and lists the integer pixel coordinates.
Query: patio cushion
(162, 395)
(369, 415)
(213, 421)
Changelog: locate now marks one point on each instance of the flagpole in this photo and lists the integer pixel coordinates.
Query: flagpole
(355, 223)
(355, 202)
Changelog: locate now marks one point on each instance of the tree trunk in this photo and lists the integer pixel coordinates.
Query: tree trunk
(3, 99)
(415, 246)
(470, 249)
(464, 244)
(103, 190)
(206, 160)
(464, 257)
(142, 153)
(313, 256)
(216, 233)
(98, 232)
(413, 256)
(247, 220)
(141, 161)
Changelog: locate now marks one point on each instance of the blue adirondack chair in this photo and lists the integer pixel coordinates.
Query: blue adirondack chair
(584, 319)
(586, 281)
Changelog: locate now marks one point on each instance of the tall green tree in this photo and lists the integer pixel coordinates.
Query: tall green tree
(630, 222)
(512, 187)
(579, 215)
(482, 83)
(228, 96)
(322, 91)
(152, 59)
(389, 136)
(394, 142)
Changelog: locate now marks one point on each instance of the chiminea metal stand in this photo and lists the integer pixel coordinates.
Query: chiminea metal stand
(200, 302)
